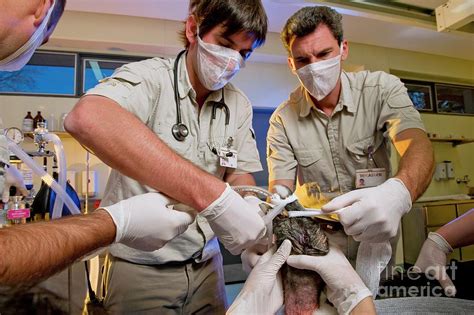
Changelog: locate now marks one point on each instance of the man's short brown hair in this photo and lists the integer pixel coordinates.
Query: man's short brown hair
(306, 20)
(235, 15)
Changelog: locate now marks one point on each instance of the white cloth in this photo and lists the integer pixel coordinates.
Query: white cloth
(146, 223)
(372, 259)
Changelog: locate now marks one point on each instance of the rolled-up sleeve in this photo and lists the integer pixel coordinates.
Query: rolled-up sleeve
(397, 111)
(130, 88)
(247, 153)
(281, 160)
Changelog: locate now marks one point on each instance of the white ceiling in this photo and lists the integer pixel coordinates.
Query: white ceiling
(373, 29)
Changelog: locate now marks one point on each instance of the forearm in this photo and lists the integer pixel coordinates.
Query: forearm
(35, 251)
(365, 307)
(284, 182)
(459, 232)
(240, 179)
(124, 143)
(417, 160)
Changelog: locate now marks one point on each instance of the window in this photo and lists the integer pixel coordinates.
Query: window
(454, 99)
(47, 73)
(95, 70)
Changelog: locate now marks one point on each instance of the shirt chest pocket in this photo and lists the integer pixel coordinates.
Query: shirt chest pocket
(311, 164)
(183, 148)
(219, 139)
(359, 152)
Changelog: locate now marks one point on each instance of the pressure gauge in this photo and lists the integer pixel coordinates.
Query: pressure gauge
(15, 135)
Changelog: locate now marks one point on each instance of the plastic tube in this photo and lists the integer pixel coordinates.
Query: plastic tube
(59, 149)
(48, 179)
(253, 189)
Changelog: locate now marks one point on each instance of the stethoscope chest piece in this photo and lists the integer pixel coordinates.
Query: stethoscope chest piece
(180, 131)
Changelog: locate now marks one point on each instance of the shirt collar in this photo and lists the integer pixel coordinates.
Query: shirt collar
(184, 84)
(345, 99)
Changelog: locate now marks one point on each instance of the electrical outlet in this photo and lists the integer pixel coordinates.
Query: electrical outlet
(440, 171)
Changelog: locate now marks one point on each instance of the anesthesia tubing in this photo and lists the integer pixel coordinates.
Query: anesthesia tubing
(48, 179)
(59, 149)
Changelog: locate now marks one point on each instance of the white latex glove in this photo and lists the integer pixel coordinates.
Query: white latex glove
(372, 214)
(13, 177)
(251, 255)
(263, 291)
(145, 223)
(432, 261)
(345, 289)
(255, 201)
(235, 222)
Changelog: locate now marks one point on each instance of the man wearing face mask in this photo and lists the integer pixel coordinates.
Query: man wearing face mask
(24, 26)
(334, 131)
(188, 131)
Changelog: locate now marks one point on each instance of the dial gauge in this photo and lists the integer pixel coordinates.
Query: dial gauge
(14, 134)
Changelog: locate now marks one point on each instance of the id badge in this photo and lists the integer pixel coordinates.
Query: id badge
(370, 177)
(228, 157)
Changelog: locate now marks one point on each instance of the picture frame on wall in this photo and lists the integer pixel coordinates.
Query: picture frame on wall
(421, 95)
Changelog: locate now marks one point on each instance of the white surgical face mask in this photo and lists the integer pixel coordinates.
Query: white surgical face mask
(20, 58)
(216, 65)
(320, 78)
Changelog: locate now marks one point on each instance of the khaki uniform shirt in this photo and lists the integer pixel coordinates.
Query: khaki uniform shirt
(304, 142)
(146, 89)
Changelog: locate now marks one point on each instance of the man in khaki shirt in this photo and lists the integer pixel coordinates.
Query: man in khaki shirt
(333, 132)
(131, 122)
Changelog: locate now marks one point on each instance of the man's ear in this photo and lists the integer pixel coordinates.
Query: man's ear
(41, 11)
(191, 29)
(291, 65)
(345, 50)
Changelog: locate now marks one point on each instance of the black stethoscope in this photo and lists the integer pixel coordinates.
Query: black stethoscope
(179, 130)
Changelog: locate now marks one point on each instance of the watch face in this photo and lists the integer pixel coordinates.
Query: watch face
(14, 134)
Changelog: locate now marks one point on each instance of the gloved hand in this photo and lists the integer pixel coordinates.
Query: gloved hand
(263, 291)
(345, 289)
(236, 222)
(372, 214)
(145, 223)
(255, 201)
(252, 255)
(13, 177)
(432, 261)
